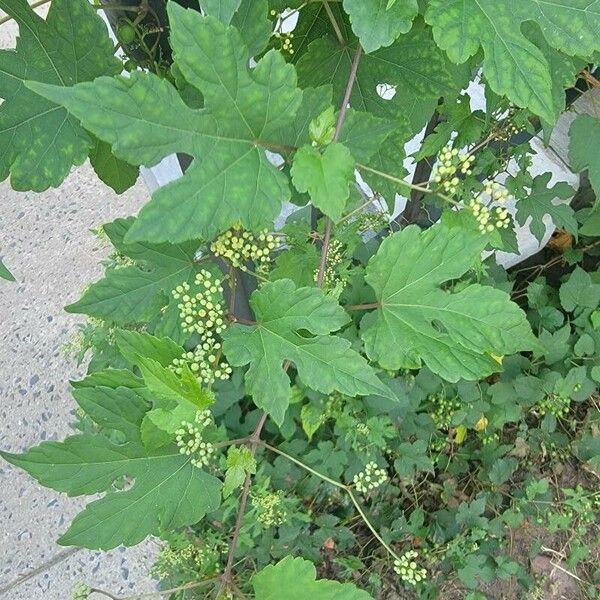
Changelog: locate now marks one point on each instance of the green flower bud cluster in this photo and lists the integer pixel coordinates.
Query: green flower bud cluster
(204, 363)
(188, 559)
(555, 405)
(190, 442)
(558, 453)
(436, 446)
(449, 164)
(408, 569)
(496, 192)
(270, 511)
(444, 409)
(369, 479)
(201, 311)
(372, 221)
(489, 438)
(239, 247)
(81, 591)
(335, 257)
(488, 220)
(506, 131)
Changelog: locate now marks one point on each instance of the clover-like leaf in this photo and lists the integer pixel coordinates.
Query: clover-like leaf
(168, 491)
(456, 335)
(326, 177)
(294, 324)
(583, 149)
(137, 292)
(378, 25)
(144, 119)
(39, 140)
(299, 579)
(539, 202)
(513, 65)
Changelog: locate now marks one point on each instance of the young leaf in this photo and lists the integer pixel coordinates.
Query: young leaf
(165, 384)
(455, 334)
(39, 141)
(377, 23)
(133, 344)
(168, 491)
(539, 202)
(325, 177)
(583, 149)
(239, 462)
(513, 65)
(285, 317)
(144, 119)
(298, 577)
(5, 273)
(135, 294)
(117, 174)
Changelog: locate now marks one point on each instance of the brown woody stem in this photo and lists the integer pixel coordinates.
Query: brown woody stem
(338, 129)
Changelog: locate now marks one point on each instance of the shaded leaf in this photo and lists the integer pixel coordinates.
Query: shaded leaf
(115, 173)
(39, 141)
(539, 202)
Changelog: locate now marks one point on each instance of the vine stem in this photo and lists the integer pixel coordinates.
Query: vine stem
(32, 6)
(370, 201)
(411, 186)
(338, 129)
(253, 441)
(187, 586)
(339, 485)
(334, 23)
(363, 306)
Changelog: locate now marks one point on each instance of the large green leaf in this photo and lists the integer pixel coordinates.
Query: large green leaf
(583, 149)
(539, 202)
(454, 334)
(375, 26)
(512, 64)
(294, 324)
(144, 119)
(299, 579)
(137, 293)
(168, 491)
(39, 141)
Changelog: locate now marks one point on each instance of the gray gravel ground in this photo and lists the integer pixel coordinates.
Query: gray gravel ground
(45, 241)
